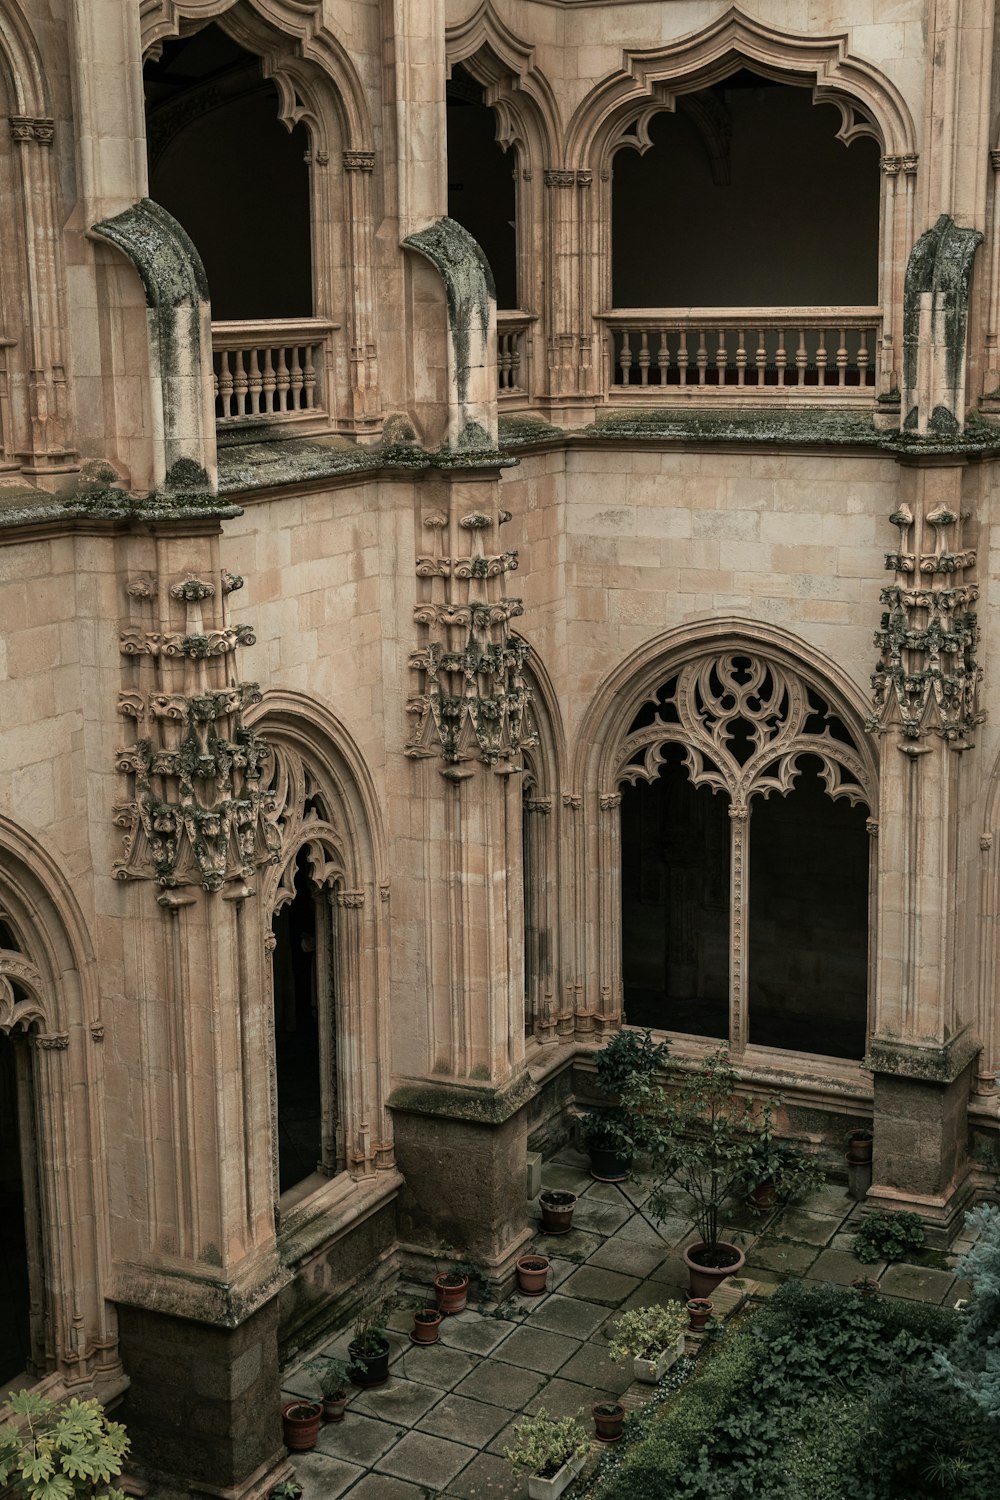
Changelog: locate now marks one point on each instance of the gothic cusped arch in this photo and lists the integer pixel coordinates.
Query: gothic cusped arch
(30, 91)
(526, 106)
(689, 687)
(325, 804)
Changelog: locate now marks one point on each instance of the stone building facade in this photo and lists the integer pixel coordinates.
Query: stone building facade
(399, 691)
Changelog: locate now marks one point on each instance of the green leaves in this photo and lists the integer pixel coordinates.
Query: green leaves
(887, 1236)
(59, 1452)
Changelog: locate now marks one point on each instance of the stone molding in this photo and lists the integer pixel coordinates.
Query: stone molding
(927, 1064)
(450, 1100)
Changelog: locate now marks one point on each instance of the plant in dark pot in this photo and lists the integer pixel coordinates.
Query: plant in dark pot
(630, 1064)
(557, 1210)
(369, 1348)
(777, 1171)
(333, 1378)
(703, 1140)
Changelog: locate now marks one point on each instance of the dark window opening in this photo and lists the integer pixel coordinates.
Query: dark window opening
(807, 959)
(675, 903)
(298, 1007)
(223, 164)
(746, 198)
(482, 194)
(15, 1294)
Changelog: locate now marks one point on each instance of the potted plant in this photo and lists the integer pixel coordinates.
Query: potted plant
(629, 1063)
(426, 1325)
(287, 1489)
(451, 1288)
(532, 1274)
(699, 1311)
(705, 1138)
(859, 1145)
(557, 1210)
(369, 1348)
(651, 1337)
(777, 1170)
(300, 1424)
(66, 1449)
(333, 1378)
(550, 1450)
(609, 1418)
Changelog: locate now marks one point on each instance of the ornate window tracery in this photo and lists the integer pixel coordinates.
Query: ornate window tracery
(746, 727)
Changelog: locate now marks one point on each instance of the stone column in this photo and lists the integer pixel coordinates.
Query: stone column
(927, 707)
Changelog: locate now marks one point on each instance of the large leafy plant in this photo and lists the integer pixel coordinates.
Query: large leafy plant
(628, 1065)
(645, 1332)
(53, 1451)
(542, 1444)
(887, 1236)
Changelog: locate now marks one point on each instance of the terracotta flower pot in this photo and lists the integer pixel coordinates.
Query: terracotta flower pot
(533, 1274)
(859, 1147)
(557, 1211)
(699, 1310)
(704, 1279)
(333, 1407)
(609, 1418)
(300, 1424)
(427, 1325)
(763, 1197)
(451, 1291)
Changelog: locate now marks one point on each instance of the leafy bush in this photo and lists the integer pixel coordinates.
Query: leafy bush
(972, 1363)
(628, 1064)
(542, 1444)
(50, 1451)
(887, 1236)
(645, 1332)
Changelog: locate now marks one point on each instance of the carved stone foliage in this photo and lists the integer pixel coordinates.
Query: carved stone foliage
(297, 815)
(20, 983)
(472, 696)
(197, 805)
(745, 723)
(927, 678)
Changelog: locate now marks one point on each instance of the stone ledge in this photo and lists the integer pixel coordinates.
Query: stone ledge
(926, 1064)
(475, 1104)
(184, 1293)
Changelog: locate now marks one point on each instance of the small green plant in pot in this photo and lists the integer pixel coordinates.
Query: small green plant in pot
(53, 1450)
(651, 1337)
(777, 1171)
(333, 1377)
(630, 1064)
(550, 1450)
(369, 1349)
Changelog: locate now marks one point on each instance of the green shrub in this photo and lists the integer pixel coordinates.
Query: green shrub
(542, 1444)
(887, 1236)
(973, 1362)
(51, 1451)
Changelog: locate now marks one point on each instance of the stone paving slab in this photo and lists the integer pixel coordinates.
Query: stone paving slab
(595, 1285)
(630, 1256)
(566, 1398)
(536, 1349)
(566, 1179)
(917, 1284)
(429, 1461)
(382, 1487)
(471, 1332)
(570, 1315)
(357, 1439)
(436, 1365)
(400, 1402)
(595, 1217)
(324, 1478)
(663, 1232)
(810, 1228)
(489, 1477)
(841, 1267)
(777, 1255)
(499, 1384)
(577, 1243)
(465, 1421)
(592, 1366)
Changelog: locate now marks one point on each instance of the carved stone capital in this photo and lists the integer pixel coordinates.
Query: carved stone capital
(24, 128)
(52, 1041)
(350, 900)
(359, 161)
(610, 800)
(572, 800)
(892, 165)
(558, 177)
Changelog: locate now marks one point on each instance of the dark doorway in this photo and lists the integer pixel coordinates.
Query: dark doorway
(223, 164)
(15, 1297)
(298, 1006)
(807, 958)
(481, 190)
(746, 198)
(675, 903)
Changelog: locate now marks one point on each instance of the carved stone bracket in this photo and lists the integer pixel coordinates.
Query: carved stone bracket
(927, 678)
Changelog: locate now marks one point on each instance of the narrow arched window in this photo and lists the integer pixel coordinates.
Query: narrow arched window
(482, 192)
(746, 861)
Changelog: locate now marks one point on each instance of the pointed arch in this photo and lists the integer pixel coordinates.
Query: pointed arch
(526, 105)
(23, 63)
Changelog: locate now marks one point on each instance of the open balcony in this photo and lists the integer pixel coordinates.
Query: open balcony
(274, 371)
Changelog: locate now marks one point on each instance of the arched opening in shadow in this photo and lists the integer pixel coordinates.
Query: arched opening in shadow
(675, 903)
(224, 165)
(301, 979)
(807, 958)
(746, 198)
(15, 1288)
(482, 192)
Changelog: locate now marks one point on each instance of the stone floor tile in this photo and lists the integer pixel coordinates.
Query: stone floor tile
(570, 1315)
(357, 1439)
(425, 1460)
(608, 1192)
(465, 1421)
(436, 1365)
(648, 1294)
(595, 1217)
(843, 1240)
(568, 1246)
(841, 1267)
(776, 1255)
(566, 1398)
(382, 1487)
(566, 1179)
(809, 1228)
(672, 1270)
(499, 1384)
(505, 1437)
(570, 1157)
(833, 1198)
(593, 1367)
(663, 1232)
(630, 1256)
(323, 1477)
(559, 1269)
(537, 1349)
(474, 1333)
(489, 1477)
(917, 1284)
(595, 1285)
(402, 1402)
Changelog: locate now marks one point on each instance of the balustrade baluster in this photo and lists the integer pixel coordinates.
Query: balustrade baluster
(625, 357)
(281, 400)
(240, 384)
(308, 378)
(503, 360)
(682, 358)
(862, 356)
(644, 358)
(701, 358)
(721, 358)
(781, 357)
(515, 361)
(663, 357)
(254, 384)
(741, 356)
(268, 383)
(842, 358)
(821, 358)
(801, 357)
(760, 357)
(225, 385)
(296, 379)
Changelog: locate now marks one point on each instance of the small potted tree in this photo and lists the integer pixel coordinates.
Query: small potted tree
(52, 1450)
(628, 1065)
(550, 1450)
(333, 1378)
(369, 1349)
(651, 1337)
(777, 1171)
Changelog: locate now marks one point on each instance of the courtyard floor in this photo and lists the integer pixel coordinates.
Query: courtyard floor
(441, 1422)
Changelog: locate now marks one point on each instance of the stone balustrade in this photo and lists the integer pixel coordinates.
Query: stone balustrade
(513, 351)
(271, 369)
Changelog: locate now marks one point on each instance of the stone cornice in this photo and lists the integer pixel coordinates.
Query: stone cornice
(452, 1099)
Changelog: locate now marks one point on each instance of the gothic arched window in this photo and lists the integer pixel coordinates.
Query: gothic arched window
(745, 860)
